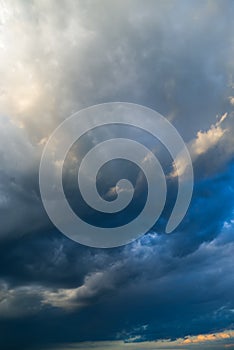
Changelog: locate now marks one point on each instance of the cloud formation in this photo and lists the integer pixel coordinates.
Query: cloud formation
(59, 57)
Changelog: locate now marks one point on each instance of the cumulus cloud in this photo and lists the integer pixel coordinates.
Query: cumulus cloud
(204, 141)
(208, 139)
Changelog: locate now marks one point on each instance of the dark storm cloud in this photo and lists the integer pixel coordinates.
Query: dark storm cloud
(141, 284)
(163, 56)
(175, 57)
(164, 282)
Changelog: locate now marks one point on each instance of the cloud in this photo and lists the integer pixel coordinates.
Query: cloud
(18, 302)
(144, 283)
(208, 139)
(43, 84)
(79, 61)
(59, 57)
(208, 341)
(203, 338)
(74, 298)
(204, 141)
(18, 182)
(231, 99)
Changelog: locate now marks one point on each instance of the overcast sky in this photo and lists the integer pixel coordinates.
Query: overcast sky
(161, 291)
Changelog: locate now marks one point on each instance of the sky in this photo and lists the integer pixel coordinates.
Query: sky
(160, 291)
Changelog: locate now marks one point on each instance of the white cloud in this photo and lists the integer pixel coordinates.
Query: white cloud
(231, 100)
(204, 141)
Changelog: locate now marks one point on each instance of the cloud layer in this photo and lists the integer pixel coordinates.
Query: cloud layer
(59, 57)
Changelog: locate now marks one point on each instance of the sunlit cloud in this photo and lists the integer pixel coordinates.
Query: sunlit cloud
(207, 341)
(204, 141)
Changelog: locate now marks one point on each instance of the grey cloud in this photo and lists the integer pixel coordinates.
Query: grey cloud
(58, 57)
(99, 52)
(20, 205)
(140, 284)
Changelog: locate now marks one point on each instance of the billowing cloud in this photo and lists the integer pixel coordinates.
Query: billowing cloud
(59, 57)
(205, 141)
